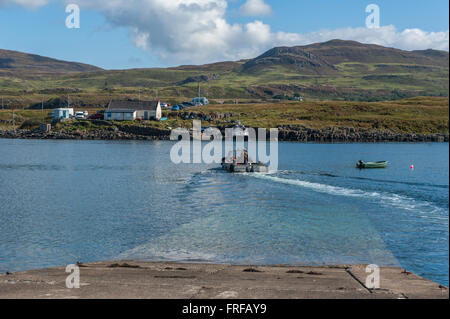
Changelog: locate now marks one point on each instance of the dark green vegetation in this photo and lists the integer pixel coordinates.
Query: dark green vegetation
(421, 115)
(334, 70)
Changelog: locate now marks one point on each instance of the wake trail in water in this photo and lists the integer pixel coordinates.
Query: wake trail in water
(394, 200)
(366, 179)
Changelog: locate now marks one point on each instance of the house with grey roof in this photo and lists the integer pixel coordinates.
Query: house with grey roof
(133, 110)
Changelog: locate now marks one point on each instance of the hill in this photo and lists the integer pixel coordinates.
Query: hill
(18, 61)
(296, 58)
(336, 70)
(322, 58)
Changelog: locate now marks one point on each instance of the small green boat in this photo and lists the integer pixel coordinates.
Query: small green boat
(381, 164)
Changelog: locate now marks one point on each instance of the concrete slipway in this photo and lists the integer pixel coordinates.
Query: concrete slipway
(160, 280)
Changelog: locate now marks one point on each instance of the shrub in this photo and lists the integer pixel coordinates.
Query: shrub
(30, 124)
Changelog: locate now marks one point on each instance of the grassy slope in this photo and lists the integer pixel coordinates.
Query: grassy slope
(22, 63)
(423, 115)
(355, 81)
(415, 115)
(359, 72)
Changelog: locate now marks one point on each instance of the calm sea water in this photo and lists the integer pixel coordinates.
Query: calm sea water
(68, 201)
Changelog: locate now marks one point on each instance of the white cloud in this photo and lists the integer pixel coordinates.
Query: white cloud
(255, 8)
(196, 31)
(31, 4)
(140, 39)
(408, 39)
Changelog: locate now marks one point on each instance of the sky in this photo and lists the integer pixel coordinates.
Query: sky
(122, 34)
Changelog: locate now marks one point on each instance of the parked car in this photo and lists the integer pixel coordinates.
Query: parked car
(96, 116)
(188, 104)
(175, 108)
(80, 116)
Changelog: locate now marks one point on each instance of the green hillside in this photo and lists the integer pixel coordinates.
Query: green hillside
(337, 70)
(29, 65)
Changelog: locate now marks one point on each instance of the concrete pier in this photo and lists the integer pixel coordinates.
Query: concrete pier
(162, 280)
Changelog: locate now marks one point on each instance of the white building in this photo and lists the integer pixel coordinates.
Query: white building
(133, 110)
(63, 113)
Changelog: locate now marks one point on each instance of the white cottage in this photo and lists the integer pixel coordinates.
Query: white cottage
(132, 110)
(63, 113)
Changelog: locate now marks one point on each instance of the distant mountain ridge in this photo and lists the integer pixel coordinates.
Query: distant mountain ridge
(14, 60)
(317, 58)
(321, 58)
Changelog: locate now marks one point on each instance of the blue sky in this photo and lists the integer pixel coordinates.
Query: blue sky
(128, 34)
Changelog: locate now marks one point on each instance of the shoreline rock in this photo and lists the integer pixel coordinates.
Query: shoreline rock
(286, 134)
(352, 135)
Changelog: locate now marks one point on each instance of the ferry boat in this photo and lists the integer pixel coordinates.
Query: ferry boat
(242, 163)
